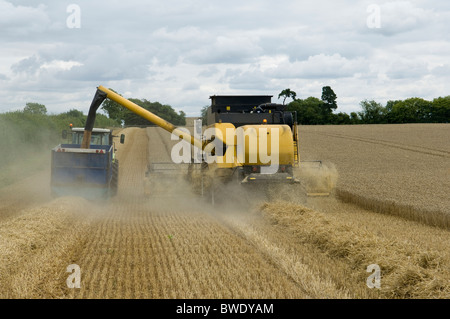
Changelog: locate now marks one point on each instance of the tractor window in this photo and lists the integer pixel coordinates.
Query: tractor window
(100, 139)
(77, 138)
(105, 139)
(96, 138)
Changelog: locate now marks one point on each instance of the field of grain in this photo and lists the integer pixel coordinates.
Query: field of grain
(179, 246)
(397, 169)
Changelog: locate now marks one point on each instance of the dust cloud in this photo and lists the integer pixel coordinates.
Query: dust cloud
(24, 164)
(318, 177)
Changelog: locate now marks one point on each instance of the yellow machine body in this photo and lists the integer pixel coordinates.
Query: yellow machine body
(253, 145)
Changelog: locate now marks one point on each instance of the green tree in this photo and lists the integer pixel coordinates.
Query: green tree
(204, 114)
(114, 110)
(287, 93)
(309, 111)
(74, 113)
(329, 104)
(389, 114)
(440, 110)
(341, 118)
(372, 112)
(412, 110)
(329, 98)
(73, 116)
(354, 118)
(121, 114)
(164, 111)
(35, 108)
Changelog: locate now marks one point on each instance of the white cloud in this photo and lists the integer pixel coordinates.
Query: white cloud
(403, 16)
(441, 70)
(22, 20)
(232, 49)
(319, 66)
(60, 65)
(181, 35)
(182, 52)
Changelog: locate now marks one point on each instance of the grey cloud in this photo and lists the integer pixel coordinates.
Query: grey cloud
(180, 51)
(29, 65)
(442, 70)
(186, 34)
(407, 69)
(94, 63)
(249, 80)
(403, 16)
(232, 49)
(408, 19)
(189, 86)
(208, 72)
(110, 63)
(319, 66)
(19, 21)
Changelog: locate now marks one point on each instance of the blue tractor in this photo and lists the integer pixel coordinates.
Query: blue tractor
(91, 173)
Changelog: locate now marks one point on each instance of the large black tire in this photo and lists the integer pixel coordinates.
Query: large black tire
(115, 178)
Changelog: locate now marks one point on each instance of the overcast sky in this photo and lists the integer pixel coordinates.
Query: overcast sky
(181, 52)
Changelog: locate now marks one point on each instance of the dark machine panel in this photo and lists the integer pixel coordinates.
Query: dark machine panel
(247, 109)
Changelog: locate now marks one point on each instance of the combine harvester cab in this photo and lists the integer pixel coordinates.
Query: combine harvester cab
(91, 173)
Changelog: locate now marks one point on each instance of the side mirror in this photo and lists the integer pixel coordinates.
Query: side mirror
(64, 134)
(122, 138)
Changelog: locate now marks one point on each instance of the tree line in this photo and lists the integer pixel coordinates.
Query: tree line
(32, 129)
(32, 126)
(312, 110)
(122, 115)
(117, 114)
(31, 132)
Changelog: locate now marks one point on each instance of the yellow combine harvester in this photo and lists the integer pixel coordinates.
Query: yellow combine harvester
(247, 140)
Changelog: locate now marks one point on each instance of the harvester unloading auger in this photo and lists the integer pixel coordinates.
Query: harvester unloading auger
(250, 141)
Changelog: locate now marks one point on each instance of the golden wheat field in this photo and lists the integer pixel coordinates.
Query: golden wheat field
(400, 169)
(179, 246)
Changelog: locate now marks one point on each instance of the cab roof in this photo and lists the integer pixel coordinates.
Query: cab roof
(94, 130)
